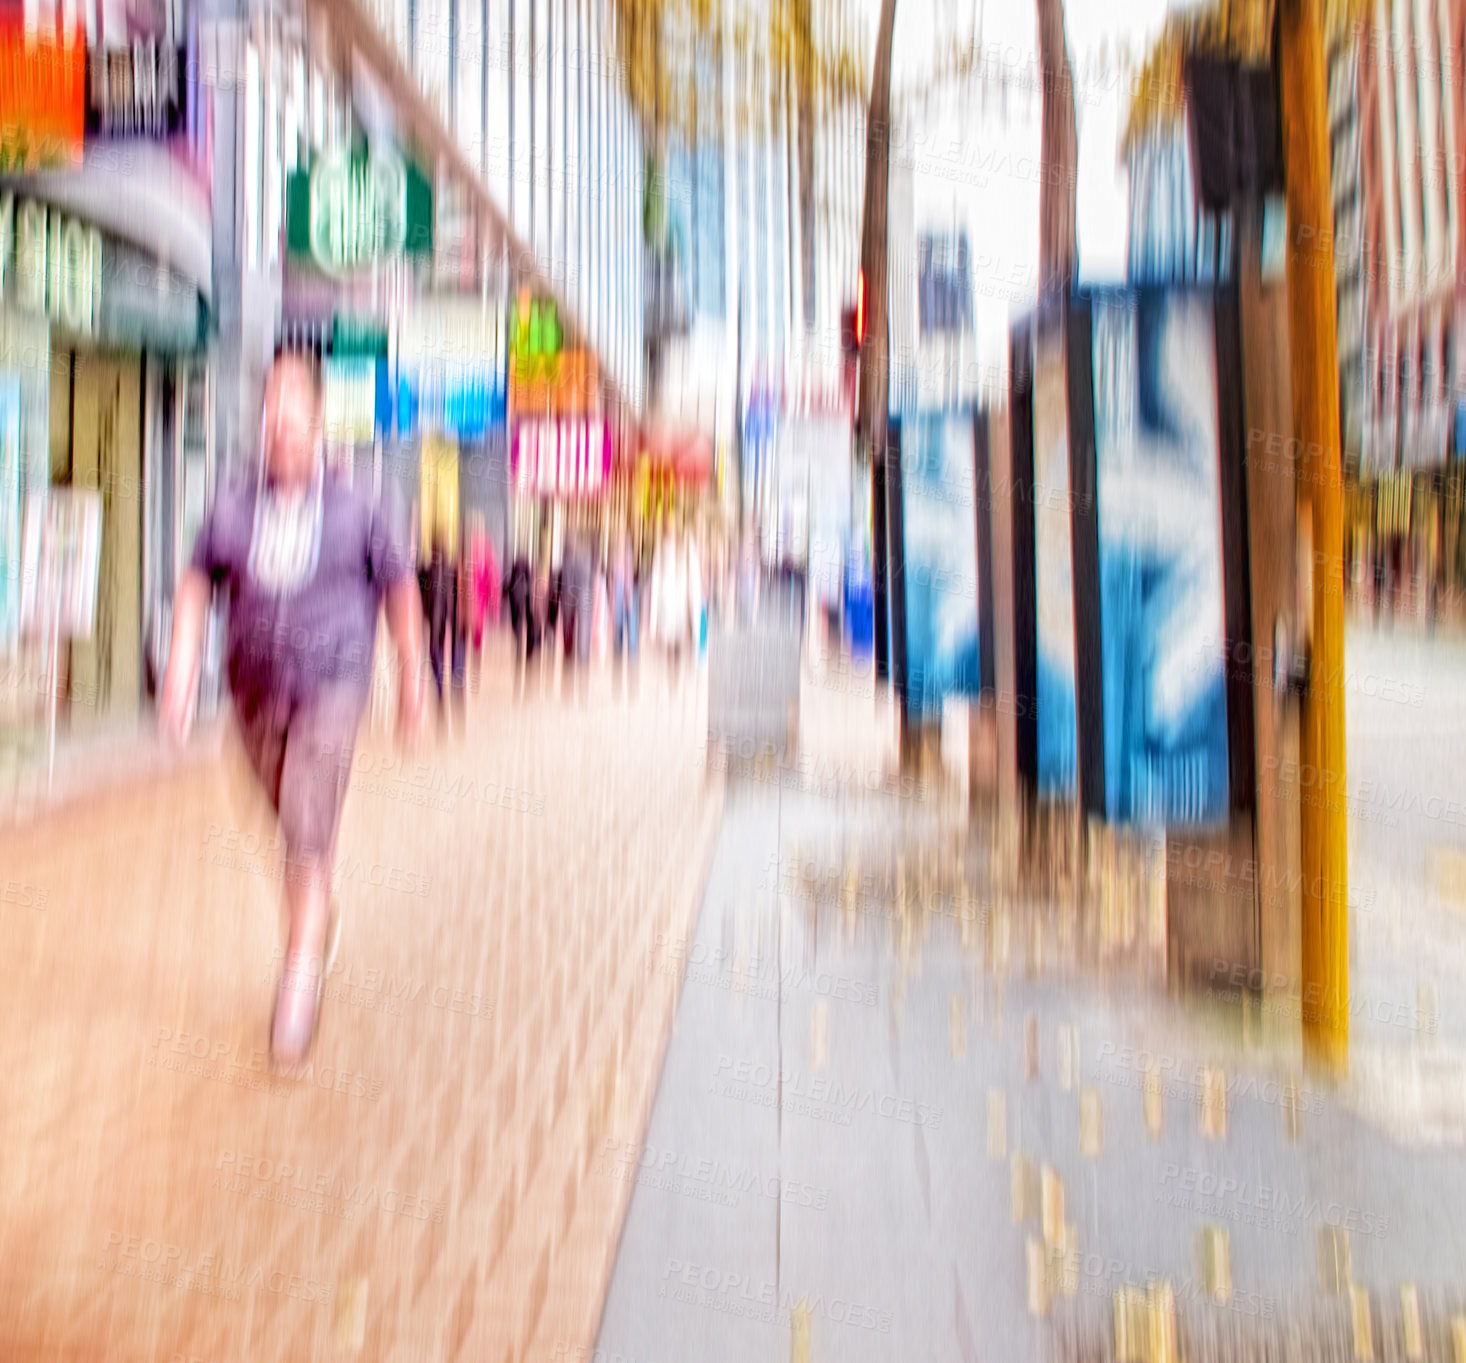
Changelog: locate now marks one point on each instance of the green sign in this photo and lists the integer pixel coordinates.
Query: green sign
(534, 329)
(50, 263)
(345, 212)
(357, 336)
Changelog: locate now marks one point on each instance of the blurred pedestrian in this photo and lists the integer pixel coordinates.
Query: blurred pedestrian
(577, 598)
(483, 591)
(544, 605)
(446, 632)
(623, 591)
(675, 603)
(519, 588)
(308, 564)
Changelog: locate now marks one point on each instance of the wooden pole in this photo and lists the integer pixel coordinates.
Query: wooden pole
(1315, 373)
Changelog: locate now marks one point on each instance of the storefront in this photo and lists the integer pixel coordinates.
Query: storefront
(103, 344)
(561, 448)
(127, 402)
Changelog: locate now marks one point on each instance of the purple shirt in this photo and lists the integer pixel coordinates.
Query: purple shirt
(283, 650)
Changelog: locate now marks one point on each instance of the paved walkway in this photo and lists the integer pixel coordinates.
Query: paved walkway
(910, 1111)
(423, 1193)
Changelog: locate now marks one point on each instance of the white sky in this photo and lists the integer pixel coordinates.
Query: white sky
(972, 166)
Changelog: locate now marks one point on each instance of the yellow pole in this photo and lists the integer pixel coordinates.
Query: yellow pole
(1315, 370)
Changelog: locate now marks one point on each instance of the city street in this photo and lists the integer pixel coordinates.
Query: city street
(915, 1126)
(907, 1109)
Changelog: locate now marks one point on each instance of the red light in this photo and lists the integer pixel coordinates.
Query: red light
(860, 310)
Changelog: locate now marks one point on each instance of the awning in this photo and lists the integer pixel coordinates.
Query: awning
(684, 452)
(140, 192)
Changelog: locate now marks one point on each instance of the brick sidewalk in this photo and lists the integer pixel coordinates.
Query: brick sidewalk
(422, 1194)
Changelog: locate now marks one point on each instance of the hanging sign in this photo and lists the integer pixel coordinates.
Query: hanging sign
(135, 90)
(545, 379)
(50, 263)
(534, 328)
(42, 97)
(346, 212)
(565, 457)
(550, 385)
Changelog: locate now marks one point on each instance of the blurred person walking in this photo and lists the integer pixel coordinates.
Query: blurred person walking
(520, 590)
(544, 605)
(307, 563)
(623, 589)
(676, 603)
(577, 598)
(483, 591)
(446, 629)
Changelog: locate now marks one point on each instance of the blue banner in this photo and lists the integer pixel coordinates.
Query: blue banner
(462, 407)
(939, 548)
(1162, 603)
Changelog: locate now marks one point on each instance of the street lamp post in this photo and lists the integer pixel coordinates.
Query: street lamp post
(1315, 374)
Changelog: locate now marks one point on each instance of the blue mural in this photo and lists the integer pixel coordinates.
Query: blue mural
(939, 544)
(1160, 557)
(1053, 570)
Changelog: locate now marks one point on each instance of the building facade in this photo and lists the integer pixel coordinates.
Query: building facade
(1398, 118)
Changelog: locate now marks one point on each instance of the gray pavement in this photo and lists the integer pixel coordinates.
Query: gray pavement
(861, 1101)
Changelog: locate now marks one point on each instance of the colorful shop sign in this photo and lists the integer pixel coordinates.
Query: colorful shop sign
(461, 402)
(552, 385)
(50, 263)
(346, 212)
(357, 336)
(545, 379)
(534, 329)
(42, 97)
(135, 90)
(564, 457)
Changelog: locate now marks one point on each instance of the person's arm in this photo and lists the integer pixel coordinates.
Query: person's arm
(180, 682)
(403, 606)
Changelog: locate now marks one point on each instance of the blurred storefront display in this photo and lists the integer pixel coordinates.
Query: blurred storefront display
(106, 252)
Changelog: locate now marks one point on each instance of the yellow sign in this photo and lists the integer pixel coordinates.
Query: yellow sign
(439, 498)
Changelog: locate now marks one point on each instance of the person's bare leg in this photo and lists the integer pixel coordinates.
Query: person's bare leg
(308, 901)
